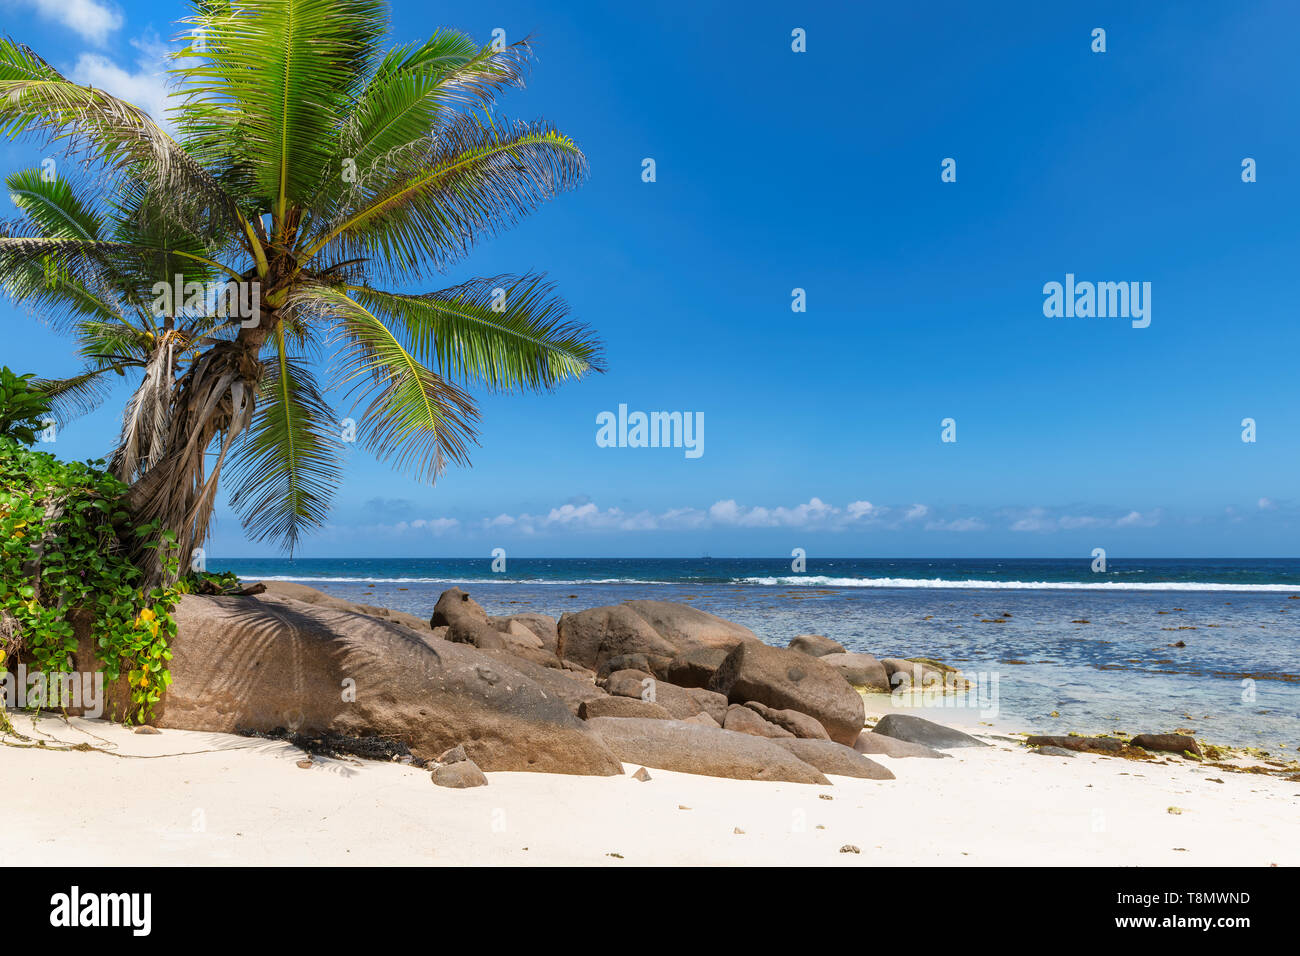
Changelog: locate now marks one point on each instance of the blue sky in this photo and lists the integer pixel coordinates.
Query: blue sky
(820, 170)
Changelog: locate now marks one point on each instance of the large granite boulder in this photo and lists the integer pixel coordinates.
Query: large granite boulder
(745, 721)
(799, 725)
(466, 621)
(788, 680)
(863, 671)
(696, 667)
(300, 592)
(873, 743)
(542, 625)
(680, 702)
(269, 662)
(816, 645)
(830, 757)
(609, 706)
(693, 748)
(918, 730)
(593, 636)
(661, 630)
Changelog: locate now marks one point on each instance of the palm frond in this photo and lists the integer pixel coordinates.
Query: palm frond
(505, 332)
(287, 464)
(481, 175)
(412, 416)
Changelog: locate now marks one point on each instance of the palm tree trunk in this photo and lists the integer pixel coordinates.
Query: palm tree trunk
(213, 399)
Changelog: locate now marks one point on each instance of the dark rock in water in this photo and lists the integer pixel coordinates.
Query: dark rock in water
(1104, 745)
(830, 757)
(609, 706)
(799, 725)
(918, 730)
(787, 680)
(696, 668)
(690, 748)
(459, 775)
(873, 743)
(1170, 743)
(863, 671)
(816, 645)
(1053, 751)
(643, 775)
(745, 721)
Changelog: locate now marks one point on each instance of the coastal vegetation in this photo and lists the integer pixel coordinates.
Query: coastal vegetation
(305, 176)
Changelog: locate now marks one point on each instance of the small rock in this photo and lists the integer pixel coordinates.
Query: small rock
(849, 848)
(739, 831)
(459, 775)
(1169, 743)
(455, 755)
(617, 856)
(146, 729)
(305, 764)
(682, 806)
(1176, 811)
(643, 775)
(824, 796)
(1053, 751)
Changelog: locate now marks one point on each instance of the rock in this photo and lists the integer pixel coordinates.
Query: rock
(146, 729)
(455, 755)
(787, 680)
(661, 630)
(542, 625)
(797, 724)
(689, 628)
(642, 775)
(460, 775)
(849, 848)
(1053, 752)
(305, 764)
(516, 635)
(695, 668)
(266, 663)
(631, 683)
(920, 674)
(680, 702)
(690, 748)
(862, 671)
(571, 688)
(830, 757)
(592, 637)
(623, 662)
(918, 730)
(607, 706)
(745, 721)
(816, 645)
(873, 743)
(703, 720)
(466, 621)
(1168, 743)
(300, 592)
(1081, 744)
(711, 702)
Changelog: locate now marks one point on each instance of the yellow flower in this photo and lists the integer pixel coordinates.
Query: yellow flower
(146, 616)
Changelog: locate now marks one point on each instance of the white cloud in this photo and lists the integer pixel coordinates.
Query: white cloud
(93, 21)
(916, 513)
(146, 87)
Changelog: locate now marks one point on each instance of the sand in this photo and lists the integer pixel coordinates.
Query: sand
(216, 799)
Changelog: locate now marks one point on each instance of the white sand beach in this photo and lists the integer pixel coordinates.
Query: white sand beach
(217, 799)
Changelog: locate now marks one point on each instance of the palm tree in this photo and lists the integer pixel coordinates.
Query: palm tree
(309, 168)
